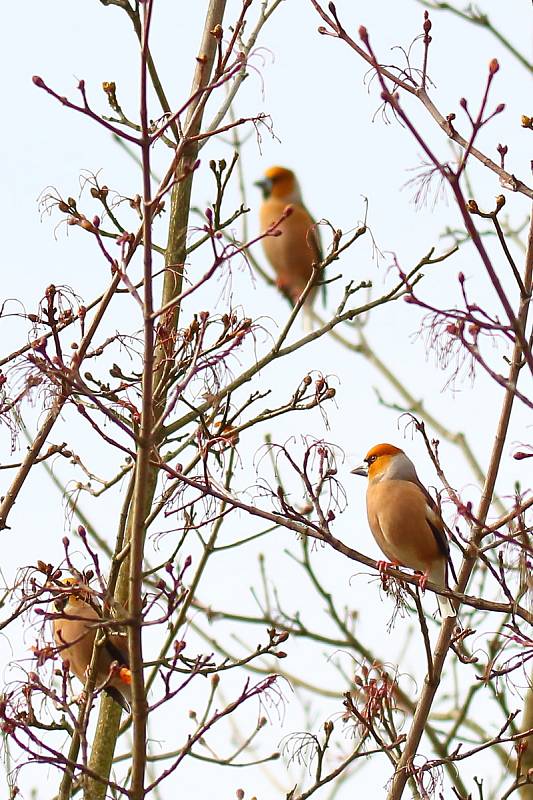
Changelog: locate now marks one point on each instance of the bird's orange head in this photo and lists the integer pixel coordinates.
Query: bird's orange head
(74, 592)
(386, 461)
(280, 183)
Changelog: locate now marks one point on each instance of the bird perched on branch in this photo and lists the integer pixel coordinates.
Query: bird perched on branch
(293, 250)
(404, 518)
(75, 630)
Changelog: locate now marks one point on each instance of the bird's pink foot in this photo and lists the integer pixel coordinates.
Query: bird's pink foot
(383, 565)
(384, 576)
(423, 579)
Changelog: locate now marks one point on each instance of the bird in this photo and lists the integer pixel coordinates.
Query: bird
(293, 251)
(75, 625)
(404, 519)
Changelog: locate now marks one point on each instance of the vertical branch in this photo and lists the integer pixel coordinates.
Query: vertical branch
(181, 192)
(527, 718)
(144, 449)
(103, 747)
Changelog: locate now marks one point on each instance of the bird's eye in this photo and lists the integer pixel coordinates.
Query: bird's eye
(371, 460)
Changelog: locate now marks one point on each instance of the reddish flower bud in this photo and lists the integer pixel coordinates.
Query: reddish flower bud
(494, 66)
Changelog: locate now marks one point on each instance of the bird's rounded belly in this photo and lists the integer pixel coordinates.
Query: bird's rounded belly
(405, 540)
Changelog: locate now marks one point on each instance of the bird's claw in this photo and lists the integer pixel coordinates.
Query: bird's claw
(383, 566)
(423, 579)
(383, 574)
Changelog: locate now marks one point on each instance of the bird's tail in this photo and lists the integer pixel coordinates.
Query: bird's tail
(445, 607)
(118, 697)
(437, 574)
(307, 318)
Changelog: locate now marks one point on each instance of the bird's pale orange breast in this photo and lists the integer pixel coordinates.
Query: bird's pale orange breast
(292, 252)
(397, 518)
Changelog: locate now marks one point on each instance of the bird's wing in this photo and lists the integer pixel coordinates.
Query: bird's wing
(313, 236)
(436, 524)
(314, 241)
(116, 648)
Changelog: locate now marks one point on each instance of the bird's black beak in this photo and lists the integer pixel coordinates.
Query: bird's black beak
(362, 470)
(265, 184)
